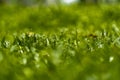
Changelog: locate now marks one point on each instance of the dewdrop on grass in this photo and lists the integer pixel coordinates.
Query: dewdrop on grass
(100, 46)
(111, 59)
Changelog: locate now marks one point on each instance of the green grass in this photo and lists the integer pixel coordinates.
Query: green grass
(60, 43)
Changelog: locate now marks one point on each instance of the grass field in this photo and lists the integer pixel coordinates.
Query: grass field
(60, 43)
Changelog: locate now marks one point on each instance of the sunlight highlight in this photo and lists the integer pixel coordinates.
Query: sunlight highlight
(69, 1)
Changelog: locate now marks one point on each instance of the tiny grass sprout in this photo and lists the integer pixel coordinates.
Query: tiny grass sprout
(27, 49)
(13, 48)
(104, 33)
(100, 46)
(20, 51)
(6, 44)
(36, 57)
(47, 41)
(115, 28)
(117, 42)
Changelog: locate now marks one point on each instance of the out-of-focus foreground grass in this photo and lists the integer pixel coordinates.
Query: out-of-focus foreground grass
(60, 43)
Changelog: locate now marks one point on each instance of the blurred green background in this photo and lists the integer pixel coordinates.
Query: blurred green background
(53, 14)
(59, 39)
